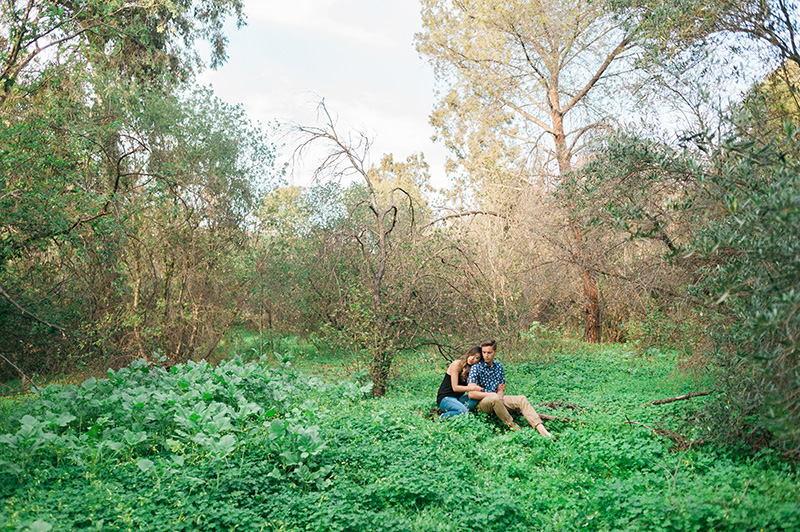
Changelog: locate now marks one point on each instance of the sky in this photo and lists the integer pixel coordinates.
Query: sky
(357, 55)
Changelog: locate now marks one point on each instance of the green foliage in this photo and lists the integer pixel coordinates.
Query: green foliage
(122, 250)
(150, 41)
(119, 186)
(251, 447)
(544, 342)
(669, 29)
(757, 276)
(726, 209)
(159, 418)
(249, 345)
(682, 333)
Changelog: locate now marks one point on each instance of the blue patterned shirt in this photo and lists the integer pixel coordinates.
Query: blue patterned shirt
(487, 377)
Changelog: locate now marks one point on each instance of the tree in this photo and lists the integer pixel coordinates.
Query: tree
(381, 277)
(48, 46)
(679, 26)
(736, 187)
(346, 159)
(155, 263)
(124, 200)
(519, 71)
(143, 39)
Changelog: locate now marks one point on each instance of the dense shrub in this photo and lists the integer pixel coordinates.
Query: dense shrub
(255, 446)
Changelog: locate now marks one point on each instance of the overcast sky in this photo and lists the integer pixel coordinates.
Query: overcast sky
(356, 54)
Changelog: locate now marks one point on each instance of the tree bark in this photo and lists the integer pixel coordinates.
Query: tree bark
(591, 295)
(673, 399)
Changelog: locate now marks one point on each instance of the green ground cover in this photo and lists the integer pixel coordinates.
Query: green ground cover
(267, 446)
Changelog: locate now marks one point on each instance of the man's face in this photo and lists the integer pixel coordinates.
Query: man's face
(488, 354)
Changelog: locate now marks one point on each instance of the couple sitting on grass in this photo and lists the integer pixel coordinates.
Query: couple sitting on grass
(477, 380)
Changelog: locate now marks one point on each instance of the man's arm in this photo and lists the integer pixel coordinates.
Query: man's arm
(479, 395)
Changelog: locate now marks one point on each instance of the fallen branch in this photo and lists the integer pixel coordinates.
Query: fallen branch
(548, 417)
(22, 375)
(674, 437)
(559, 404)
(27, 313)
(681, 443)
(673, 399)
(790, 452)
(629, 422)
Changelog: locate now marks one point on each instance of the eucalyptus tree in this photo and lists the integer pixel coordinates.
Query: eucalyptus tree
(519, 80)
(56, 55)
(187, 222)
(157, 263)
(143, 38)
(111, 51)
(675, 26)
(96, 143)
(704, 55)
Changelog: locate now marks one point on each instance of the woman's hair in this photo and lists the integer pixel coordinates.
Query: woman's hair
(464, 366)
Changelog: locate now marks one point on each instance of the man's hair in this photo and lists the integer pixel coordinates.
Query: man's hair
(489, 343)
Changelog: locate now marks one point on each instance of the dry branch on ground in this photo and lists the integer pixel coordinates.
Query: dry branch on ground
(673, 399)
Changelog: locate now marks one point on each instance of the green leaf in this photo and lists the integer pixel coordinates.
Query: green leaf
(132, 438)
(145, 465)
(113, 445)
(40, 526)
(65, 419)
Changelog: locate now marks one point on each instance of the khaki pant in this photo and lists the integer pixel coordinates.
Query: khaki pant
(493, 403)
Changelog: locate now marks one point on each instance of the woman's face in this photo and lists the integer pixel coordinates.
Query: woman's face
(473, 359)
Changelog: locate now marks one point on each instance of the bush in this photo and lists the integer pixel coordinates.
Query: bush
(756, 280)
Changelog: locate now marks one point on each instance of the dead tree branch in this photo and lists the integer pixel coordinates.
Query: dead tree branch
(559, 404)
(681, 443)
(27, 313)
(464, 214)
(22, 375)
(673, 399)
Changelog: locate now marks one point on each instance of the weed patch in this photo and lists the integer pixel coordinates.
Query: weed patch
(260, 445)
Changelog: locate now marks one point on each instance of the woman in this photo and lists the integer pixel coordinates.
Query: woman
(451, 397)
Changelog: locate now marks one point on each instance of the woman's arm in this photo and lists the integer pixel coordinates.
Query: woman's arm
(479, 394)
(453, 371)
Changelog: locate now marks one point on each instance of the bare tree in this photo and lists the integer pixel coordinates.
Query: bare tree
(347, 158)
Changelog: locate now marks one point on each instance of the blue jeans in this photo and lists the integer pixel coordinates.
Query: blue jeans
(453, 407)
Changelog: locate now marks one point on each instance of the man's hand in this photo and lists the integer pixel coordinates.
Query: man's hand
(501, 390)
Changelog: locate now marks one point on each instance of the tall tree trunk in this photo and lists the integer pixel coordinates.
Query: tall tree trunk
(379, 371)
(592, 331)
(591, 294)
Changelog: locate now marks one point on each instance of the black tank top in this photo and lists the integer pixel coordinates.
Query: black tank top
(446, 388)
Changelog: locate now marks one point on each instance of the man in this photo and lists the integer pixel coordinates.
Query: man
(489, 375)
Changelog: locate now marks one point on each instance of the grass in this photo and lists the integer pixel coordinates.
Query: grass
(384, 464)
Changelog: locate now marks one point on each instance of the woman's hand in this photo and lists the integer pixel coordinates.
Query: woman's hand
(473, 387)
